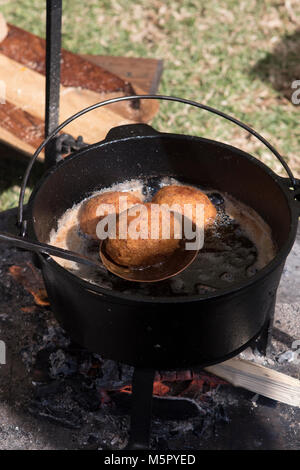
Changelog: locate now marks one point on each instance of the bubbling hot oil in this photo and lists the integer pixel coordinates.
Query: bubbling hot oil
(238, 244)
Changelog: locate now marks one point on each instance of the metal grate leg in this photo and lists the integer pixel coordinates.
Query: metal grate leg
(141, 413)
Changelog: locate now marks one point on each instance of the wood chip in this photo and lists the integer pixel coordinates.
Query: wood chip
(259, 379)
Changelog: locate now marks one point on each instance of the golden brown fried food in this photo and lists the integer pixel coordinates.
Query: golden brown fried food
(181, 195)
(88, 218)
(144, 251)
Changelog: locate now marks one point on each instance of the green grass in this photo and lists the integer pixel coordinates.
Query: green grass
(236, 55)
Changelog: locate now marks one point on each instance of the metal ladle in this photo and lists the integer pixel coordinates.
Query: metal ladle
(44, 248)
(174, 264)
(170, 266)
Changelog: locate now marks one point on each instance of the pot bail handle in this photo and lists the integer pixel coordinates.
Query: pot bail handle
(293, 182)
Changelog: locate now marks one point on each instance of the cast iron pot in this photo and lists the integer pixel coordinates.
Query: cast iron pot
(162, 333)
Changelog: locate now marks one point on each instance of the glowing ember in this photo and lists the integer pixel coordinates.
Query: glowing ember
(32, 281)
(195, 387)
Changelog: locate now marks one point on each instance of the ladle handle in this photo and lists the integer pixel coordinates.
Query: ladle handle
(38, 247)
(145, 97)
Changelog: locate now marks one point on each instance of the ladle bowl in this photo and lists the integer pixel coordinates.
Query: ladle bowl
(174, 264)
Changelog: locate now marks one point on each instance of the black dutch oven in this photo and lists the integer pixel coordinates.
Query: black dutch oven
(162, 333)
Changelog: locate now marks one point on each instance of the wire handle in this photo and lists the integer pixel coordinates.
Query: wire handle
(144, 97)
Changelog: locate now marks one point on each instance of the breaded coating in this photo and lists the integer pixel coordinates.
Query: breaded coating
(144, 251)
(88, 218)
(181, 195)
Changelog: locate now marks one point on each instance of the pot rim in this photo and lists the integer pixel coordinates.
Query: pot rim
(235, 289)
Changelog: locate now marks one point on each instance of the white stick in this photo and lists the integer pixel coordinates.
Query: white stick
(259, 379)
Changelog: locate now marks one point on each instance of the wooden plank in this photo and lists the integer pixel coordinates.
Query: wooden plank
(25, 91)
(141, 72)
(12, 141)
(29, 50)
(259, 379)
(21, 125)
(84, 82)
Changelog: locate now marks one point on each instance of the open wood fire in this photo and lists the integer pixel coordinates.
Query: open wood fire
(85, 396)
(104, 383)
(174, 383)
